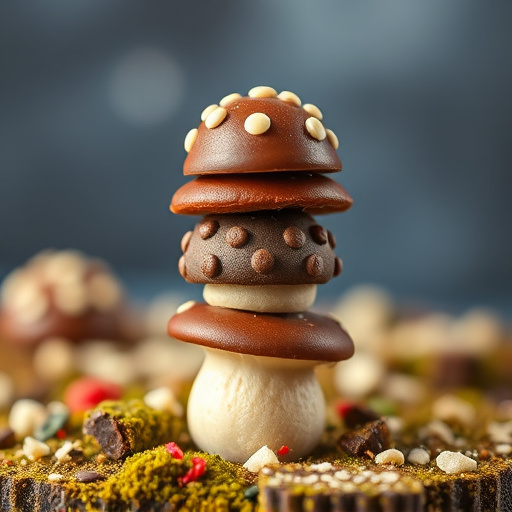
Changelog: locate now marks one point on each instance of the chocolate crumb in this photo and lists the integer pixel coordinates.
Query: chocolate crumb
(294, 237)
(262, 261)
(208, 228)
(237, 237)
(367, 441)
(314, 265)
(89, 477)
(7, 438)
(211, 266)
(318, 234)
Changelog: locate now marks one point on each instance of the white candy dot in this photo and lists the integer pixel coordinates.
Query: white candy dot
(262, 91)
(418, 456)
(229, 98)
(331, 137)
(315, 128)
(391, 456)
(257, 123)
(215, 117)
(261, 458)
(190, 139)
(289, 97)
(34, 449)
(26, 415)
(455, 462)
(208, 110)
(313, 110)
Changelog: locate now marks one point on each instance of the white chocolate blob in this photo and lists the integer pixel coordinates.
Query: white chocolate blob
(240, 403)
(261, 299)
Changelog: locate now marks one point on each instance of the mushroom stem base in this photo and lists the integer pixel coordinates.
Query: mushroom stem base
(240, 403)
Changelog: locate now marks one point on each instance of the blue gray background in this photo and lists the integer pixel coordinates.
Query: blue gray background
(97, 96)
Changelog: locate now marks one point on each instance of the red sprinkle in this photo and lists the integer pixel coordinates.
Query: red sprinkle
(198, 469)
(283, 450)
(61, 434)
(87, 392)
(343, 408)
(174, 450)
(8, 462)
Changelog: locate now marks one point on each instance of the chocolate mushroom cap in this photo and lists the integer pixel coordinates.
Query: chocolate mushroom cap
(265, 248)
(303, 336)
(255, 135)
(237, 193)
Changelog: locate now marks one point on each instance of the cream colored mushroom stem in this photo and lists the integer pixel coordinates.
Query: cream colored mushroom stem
(240, 403)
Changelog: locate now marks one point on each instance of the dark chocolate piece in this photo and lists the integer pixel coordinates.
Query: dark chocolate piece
(285, 146)
(264, 248)
(88, 477)
(368, 441)
(291, 335)
(238, 193)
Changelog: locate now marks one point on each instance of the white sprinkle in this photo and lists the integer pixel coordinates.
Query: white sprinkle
(315, 128)
(208, 110)
(262, 91)
(451, 407)
(25, 416)
(62, 453)
(439, 429)
(34, 449)
(503, 448)
(500, 432)
(389, 477)
(257, 123)
(185, 306)
(229, 98)
(268, 471)
(321, 467)
(455, 462)
(215, 118)
(391, 456)
(55, 477)
(163, 399)
(343, 474)
(289, 97)
(418, 456)
(332, 138)
(310, 479)
(261, 458)
(359, 479)
(190, 138)
(313, 110)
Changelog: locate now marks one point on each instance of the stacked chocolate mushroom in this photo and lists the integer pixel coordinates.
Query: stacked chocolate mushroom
(259, 162)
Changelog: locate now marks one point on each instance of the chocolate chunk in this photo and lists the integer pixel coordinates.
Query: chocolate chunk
(237, 236)
(338, 267)
(208, 228)
(332, 239)
(7, 438)
(89, 477)
(211, 266)
(262, 261)
(318, 234)
(315, 265)
(294, 237)
(367, 441)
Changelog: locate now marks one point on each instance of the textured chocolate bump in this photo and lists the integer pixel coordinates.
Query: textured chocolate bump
(262, 261)
(285, 146)
(305, 336)
(294, 237)
(318, 234)
(338, 267)
(208, 228)
(237, 236)
(182, 267)
(332, 239)
(368, 441)
(279, 263)
(89, 476)
(185, 241)
(315, 265)
(211, 266)
(238, 193)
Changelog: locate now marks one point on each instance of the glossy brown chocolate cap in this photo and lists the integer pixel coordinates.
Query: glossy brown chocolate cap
(266, 248)
(238, 193)
(304, 336)
(280, 136)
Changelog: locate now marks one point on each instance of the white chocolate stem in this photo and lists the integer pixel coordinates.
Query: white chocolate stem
(240, 403)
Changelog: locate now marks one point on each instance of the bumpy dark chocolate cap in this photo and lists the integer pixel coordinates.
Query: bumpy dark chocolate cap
(237, 193)
(304, 336)
(265, 248)
(261, 134)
